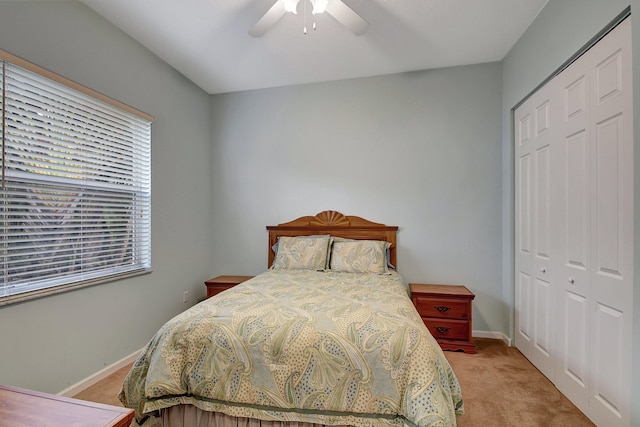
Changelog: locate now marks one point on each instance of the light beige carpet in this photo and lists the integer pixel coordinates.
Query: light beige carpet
(500, 387)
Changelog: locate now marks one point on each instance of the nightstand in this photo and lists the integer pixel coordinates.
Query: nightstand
(222, 283)
(23, 408)
(446, 311)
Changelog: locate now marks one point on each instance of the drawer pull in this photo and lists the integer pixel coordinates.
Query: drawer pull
(442, 308)
(442, 329)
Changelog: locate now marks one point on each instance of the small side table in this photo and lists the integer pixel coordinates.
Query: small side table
(446, 311)
(25, 408)
(222, 283)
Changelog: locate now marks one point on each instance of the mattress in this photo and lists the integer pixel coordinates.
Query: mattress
(304, 346)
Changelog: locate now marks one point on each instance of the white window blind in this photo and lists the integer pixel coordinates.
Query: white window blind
(76, 187)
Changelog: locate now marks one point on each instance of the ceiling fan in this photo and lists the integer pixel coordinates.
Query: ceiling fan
(336, 8)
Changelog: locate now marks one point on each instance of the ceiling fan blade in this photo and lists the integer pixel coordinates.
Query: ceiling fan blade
(347, 17)
(268, 20)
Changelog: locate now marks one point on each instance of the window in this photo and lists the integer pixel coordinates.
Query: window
(75, 205)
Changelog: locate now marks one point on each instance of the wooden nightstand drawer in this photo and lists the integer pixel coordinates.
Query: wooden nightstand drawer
(441, 307)
(449, 329)
(446, 312)
(222, 283)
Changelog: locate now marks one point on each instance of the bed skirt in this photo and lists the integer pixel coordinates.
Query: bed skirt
(191, 416)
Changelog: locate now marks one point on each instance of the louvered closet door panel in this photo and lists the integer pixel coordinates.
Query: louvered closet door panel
(612, 227)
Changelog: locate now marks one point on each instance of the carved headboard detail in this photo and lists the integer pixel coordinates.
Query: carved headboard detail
(336, 224)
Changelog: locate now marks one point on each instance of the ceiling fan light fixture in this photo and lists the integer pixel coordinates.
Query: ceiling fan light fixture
(319, 6)
(336, 8)
(291, 6)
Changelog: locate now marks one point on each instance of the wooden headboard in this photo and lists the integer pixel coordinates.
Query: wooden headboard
(335, 224)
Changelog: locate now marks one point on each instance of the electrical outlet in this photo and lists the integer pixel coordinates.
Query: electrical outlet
(185, 296)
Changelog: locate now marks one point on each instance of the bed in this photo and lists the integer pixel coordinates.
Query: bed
(326, 336)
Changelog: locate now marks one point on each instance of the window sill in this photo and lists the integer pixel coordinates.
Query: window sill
(26, 296)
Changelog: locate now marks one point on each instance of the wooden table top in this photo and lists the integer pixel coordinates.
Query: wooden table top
(228, 279)
(440, 290)
(22, 408)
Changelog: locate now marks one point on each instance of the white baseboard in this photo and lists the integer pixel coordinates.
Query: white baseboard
(98, 376)
(492, 335)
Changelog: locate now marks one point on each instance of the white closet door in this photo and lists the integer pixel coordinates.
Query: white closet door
(573, 185)
(535, 302)
(574, 229)
(612, 227)
(594, 271)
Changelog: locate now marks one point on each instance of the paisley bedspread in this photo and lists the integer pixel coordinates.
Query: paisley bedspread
(299, 345)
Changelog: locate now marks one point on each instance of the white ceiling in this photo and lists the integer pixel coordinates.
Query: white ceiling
(208, 40)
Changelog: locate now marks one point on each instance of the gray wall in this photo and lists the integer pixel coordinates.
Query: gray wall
(429, 151)
(560, 30)
(635, 379)
(420, 150)
(51, 343)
